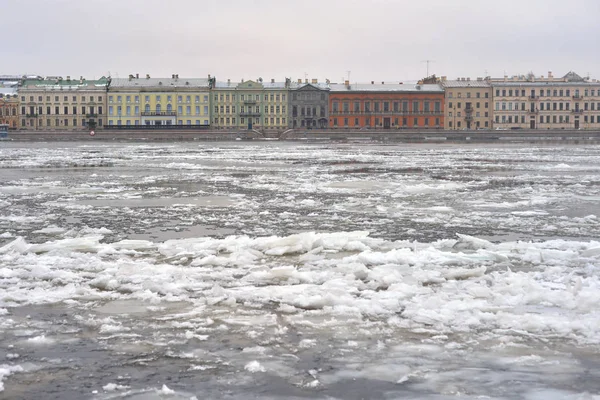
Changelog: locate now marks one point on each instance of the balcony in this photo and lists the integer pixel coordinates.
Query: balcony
(532, 97)
(91, 115)
(250, 114)
(249, 101)
(469, 110)
(577, 112)
(577, 97)
(159, 114)
(468, 118)
(536, 111)
(31, 115)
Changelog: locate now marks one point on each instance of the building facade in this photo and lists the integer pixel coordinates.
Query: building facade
(529, 102)
(386, 106)
(309, 105)
(468, 104)
(250, 105)
(9, 107)
(136, 101)
(67, 104)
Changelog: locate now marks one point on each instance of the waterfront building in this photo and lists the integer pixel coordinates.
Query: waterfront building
(136, 101)
(386, 106)
(530, 102)
(309, 105)
(250, 105)
(468, 104)
(63, 104)
(9, 107)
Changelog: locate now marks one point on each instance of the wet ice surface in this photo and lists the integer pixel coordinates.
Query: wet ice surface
(282, 271)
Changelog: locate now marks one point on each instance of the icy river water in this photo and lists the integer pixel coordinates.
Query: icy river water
(269, 270)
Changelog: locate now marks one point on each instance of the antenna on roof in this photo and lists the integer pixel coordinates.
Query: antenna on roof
(427, 62)
(348, 75)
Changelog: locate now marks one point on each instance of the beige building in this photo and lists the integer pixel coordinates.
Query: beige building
(468, 104)
(250, 105)
(530, 102)
(62, 104)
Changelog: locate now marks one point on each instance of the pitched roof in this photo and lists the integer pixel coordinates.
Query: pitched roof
(64, 84)
(401, 87)
(158, 82)
(466, 84)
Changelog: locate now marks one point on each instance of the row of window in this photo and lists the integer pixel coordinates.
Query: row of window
(308, 111)
(249, 97)
(231, 121)
(477, 114)
(545, 92)
(158, 98)
(477, 124)
(554, 119)
(547, 106)
(468, 105)
(9, 111)
(158, 109)
(477, 95)
(308, 96)
(57, 122)
(129, 122)
(384, 106)
(40, 110)
(380, 121)
(56, 99)
(243, 109)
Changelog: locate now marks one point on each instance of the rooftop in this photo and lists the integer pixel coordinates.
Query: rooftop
(57, 83)
(146, 82)
(463, 83)
(387, 87)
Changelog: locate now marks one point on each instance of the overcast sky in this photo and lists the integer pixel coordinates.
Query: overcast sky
(381, 40)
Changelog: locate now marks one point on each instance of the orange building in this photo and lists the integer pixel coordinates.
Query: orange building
(9, 106)
(386, 106)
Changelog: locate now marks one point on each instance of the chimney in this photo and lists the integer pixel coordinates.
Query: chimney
(306, 80)
(147, 76)
(315, 81)
(382, 82)
(137, 76)
(444, 78)
(372, 82)
(272, 80)
(468, 79)
(130, 77)
(228, 82)
(81, 80)
(299, 80)
(176, 76)
(68, 78)
(172, 76)
(479, 79)
(347, 83)
(550, 76)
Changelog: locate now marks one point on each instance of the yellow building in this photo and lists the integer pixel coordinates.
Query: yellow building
(468, 104)
(135, 101)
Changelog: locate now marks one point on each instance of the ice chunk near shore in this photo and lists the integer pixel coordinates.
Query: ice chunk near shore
(5, 371)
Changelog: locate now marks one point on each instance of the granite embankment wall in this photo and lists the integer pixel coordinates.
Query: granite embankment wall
(409, 136)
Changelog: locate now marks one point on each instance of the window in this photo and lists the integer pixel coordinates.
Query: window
(147, 99)
(74, 110)
(169, 99)
(110, 99)
(416, 107)
(188, 99)
(197, 110)
(118, 99)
